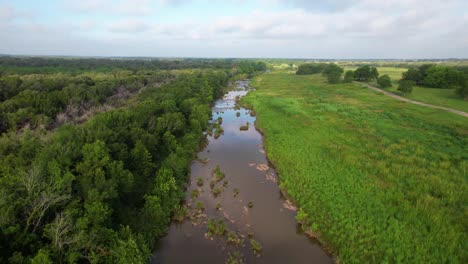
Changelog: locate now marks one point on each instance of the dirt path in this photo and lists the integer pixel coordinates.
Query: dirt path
(465, 114)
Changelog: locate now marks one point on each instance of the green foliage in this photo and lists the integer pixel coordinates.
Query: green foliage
(42, 257)
(376, 181)
(384, 81)
(366, 73)
(250, 67)
(462, 91)
(216, 227)
(405, 87)
(101, 190)
(349, 76)
(219, 175)
(256, 246)
(199, 181)
(438, 76)
(310, 68)
(333, 73)
(443, 77)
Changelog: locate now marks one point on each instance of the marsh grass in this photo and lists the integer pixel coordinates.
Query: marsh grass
(376, 179)
(180, 213)
(216, 227)
(235, 258)
(195, 193)
(256, 246)
(219, 175)
(199, 181)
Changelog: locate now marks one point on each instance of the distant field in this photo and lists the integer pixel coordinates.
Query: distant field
(440, 97)
(378, 180)
(393, 72)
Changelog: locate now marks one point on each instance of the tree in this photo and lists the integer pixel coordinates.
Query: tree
(443, 77)
(384, 81)
(462, 90)
(349, 76)
(374, 73)
(406, 87)
(366, 73)
(333, 73)
(310, 68)
(412, 74)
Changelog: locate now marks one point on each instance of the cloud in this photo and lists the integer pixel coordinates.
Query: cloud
(354, 29)
(6, 12)
(128, 26)
(113, 7)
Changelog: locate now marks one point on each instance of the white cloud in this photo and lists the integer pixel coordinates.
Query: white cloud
(357, 28)
(113, 7)
(128, 26)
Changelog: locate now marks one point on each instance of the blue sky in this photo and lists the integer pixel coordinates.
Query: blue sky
(236, 28)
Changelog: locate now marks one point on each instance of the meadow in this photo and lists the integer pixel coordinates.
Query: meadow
(435, 96)
(377, 180)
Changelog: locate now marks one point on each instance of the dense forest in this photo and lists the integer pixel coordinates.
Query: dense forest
(94, 153)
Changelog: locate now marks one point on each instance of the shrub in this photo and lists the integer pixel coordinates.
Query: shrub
(384, 81)
(333, 73)
(349, 76)
(406, 87)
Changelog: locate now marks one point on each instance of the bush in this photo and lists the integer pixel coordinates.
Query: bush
(310, 68)
(333, 73)
(384, 81)
(349, 76)
(406, 87)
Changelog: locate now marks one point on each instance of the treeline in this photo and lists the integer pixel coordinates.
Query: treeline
(438, 76)
(77, 65)
(103, 190)
(334, 73)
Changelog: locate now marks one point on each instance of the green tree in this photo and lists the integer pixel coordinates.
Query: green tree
(349, 76)
(405, 87)
(366, 73)
(333, 73)
(384, 81)
(462, 90)
(310, 68)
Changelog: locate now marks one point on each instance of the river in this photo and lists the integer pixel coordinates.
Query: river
(247, 201)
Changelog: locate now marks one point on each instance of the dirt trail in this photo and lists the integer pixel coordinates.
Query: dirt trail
(465, 114)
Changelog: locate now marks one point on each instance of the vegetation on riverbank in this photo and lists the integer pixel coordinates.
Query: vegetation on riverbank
(376, 179)
(104, 188)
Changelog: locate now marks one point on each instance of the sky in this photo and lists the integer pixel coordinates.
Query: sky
(327, 29)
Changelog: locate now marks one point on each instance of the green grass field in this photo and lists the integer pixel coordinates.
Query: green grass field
(378, 180)
(435, 96)
(440, 97)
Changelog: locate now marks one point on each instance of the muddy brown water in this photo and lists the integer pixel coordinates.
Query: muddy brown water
(271, 220)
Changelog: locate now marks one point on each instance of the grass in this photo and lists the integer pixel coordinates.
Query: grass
(256, 246)
(199, 181)
(376, 179)
(216, 227)
(219, 175)
(435, 96)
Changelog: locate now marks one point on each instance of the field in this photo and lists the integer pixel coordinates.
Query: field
(376, 179)
(440, 97)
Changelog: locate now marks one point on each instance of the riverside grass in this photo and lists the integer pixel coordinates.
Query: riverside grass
(376, 179)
